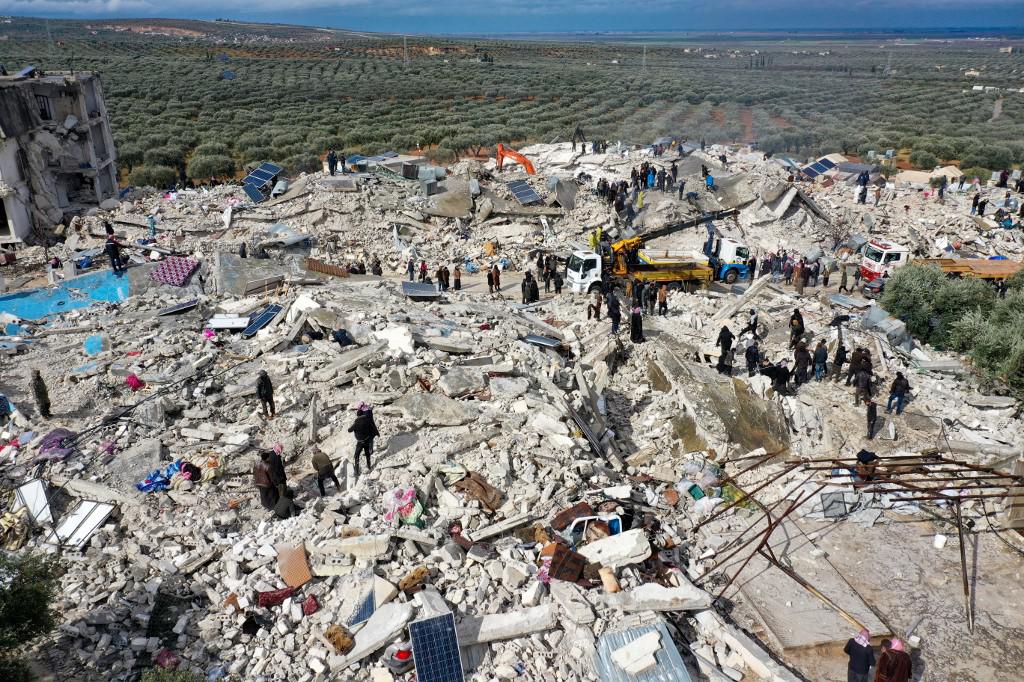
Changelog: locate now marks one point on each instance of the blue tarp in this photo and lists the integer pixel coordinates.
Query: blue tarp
(80, 292)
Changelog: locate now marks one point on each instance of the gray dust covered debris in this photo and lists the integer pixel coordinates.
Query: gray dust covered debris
(584, 506)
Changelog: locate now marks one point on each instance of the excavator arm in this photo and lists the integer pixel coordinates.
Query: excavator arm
(502, 152)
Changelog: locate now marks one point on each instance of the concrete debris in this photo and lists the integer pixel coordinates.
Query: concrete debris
(431, 443)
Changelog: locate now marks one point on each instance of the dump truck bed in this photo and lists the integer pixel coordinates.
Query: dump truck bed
(975, 267)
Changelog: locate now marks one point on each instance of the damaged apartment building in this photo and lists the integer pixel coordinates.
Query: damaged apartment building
(56, 152)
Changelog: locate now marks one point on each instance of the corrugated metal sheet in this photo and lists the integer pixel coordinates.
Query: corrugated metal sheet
(670, 667)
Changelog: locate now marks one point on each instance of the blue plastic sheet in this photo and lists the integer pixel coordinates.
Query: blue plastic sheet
(159, 480)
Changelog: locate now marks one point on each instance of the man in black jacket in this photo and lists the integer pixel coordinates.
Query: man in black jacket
(872, 415)
(365, 430)
(265, 392)
(898, 392)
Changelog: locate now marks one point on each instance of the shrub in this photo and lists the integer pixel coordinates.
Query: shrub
(212, 149)
(201, 167)
(163, 156)
(924, 160)
(909, 294)
(154, 176)
(29, 582)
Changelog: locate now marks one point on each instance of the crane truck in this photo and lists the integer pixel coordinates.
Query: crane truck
(627, 258)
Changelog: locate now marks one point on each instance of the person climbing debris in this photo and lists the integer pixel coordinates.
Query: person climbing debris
(324, 469)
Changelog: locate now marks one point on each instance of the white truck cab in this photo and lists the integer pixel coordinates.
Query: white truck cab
(881, 257)
(583, 272)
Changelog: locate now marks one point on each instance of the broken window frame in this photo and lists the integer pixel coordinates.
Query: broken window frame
(44, 108)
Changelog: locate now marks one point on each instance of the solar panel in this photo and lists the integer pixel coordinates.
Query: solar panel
(365, 609)
(827, 164)
(810, 172)
(271, 168)
(435, 649)
(261, 176)
(818, 168)
(253, 193)
(523, 192)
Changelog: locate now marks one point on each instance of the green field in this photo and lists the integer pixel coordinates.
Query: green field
(300, 91)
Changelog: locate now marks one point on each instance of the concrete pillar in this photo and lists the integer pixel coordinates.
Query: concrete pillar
(1013, 510)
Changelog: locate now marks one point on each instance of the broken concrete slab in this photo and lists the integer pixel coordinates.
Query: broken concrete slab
(573, 602)
(382, 627)
(616, 551)
(460, 381)
(435, 410)
(654, 597)
(508, 625)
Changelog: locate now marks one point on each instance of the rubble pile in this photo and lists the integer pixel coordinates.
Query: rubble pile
(572, 499)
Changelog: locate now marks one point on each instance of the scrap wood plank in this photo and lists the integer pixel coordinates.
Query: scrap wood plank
(262, 285)
(314, 265)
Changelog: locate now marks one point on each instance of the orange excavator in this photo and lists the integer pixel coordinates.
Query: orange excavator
(501, 153)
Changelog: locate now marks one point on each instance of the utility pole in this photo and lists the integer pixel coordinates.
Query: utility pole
(405, 42)
(49, 46)
(643, 68)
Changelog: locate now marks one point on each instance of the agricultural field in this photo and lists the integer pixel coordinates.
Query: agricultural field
(200, 99)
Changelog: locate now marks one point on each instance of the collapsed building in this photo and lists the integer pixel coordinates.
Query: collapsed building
(57, 156)
(546, 500)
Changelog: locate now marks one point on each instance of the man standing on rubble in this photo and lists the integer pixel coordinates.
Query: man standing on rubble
(41, 395)
(663, 300)
(332, 162)
(423, 271)
(496, 273)
(862, 657)
(753, 357)
(725, 339)
(276, 464)
(490, 281)
(264, 481)
(796, 327)
(838, 362)
(872, 415)
(614, 312)
(898, 393)
(799, 280)
(410, 268)
(861, 384)
(650, 296)
(365, 430)
(112, 248)
(457, 277)
(594, 309)
(265, 393)
(820, 360)
(801, 363)
(751, 324)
